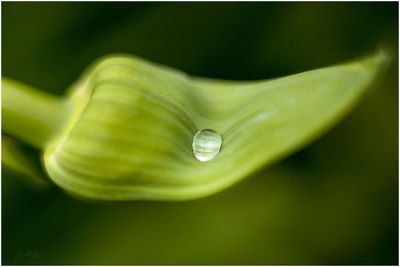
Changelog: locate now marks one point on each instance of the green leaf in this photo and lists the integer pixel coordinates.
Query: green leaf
(131, 125)
(14, 158)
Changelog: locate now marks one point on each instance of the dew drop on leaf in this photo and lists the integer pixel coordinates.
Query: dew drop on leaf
(206, 144)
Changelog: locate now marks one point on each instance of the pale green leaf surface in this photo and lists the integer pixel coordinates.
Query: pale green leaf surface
(131, 133)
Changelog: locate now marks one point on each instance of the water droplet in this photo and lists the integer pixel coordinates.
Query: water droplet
(206, 144)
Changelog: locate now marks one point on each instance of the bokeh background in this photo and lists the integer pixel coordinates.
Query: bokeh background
(334, 202)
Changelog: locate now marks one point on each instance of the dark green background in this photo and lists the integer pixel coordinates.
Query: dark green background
(335, 202)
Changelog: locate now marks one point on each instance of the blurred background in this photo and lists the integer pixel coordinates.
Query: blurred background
(334, 202)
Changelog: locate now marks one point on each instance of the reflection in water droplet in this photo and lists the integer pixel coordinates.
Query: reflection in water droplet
(206, 144)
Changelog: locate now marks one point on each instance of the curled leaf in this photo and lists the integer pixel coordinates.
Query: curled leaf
(131, 132)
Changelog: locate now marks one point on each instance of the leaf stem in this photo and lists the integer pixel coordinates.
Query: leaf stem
(32, 115)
